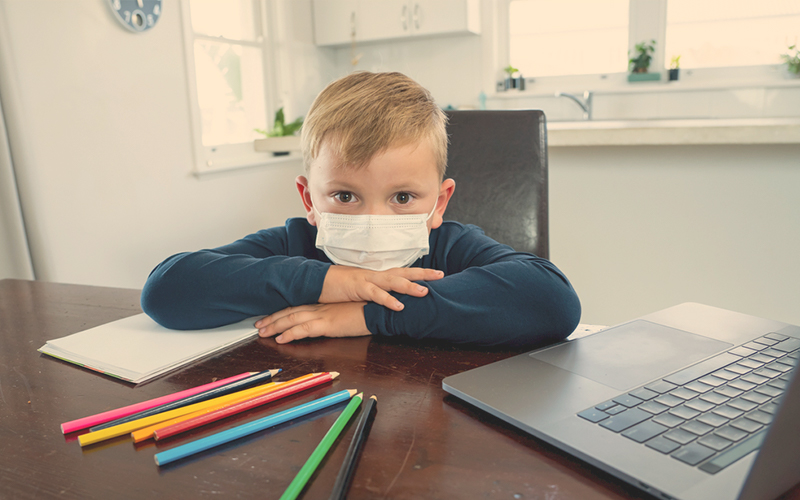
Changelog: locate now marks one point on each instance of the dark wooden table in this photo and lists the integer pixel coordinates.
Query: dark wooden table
(424, 442)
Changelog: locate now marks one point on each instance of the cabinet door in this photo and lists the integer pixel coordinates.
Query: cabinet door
(436, 17)
(383, 19)
(334, 21)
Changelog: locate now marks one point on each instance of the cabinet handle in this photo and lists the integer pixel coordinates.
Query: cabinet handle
(404, 18)
(416, 16)
(353, 25)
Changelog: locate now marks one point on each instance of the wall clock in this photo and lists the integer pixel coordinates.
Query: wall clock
(136, 15)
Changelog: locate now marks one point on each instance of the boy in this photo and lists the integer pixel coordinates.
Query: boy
(373, 255)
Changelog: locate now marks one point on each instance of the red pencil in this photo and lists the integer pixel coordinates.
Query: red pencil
(244, 405)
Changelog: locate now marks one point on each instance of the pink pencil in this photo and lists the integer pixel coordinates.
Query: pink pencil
(100, 418)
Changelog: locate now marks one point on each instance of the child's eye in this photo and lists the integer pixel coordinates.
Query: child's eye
(344, 197)
(402, 198)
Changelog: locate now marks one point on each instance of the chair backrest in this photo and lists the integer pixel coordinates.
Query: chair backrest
(499, 162)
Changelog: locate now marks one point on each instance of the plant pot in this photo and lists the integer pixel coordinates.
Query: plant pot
(644, 77)
(514, 83)
(278, 146)
(674, 74)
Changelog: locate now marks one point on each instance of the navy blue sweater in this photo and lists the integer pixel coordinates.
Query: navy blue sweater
(490, 295)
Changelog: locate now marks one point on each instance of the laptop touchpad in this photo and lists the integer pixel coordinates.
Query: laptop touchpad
(629, 355)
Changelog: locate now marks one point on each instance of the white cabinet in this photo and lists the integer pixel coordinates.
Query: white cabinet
(335, 21)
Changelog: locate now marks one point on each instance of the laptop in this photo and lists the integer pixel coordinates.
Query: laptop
(691, 402)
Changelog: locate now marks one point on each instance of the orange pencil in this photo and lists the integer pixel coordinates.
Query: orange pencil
(232, 409)
(148, 432)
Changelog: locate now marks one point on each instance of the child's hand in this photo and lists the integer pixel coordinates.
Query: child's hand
(345, 319)
(351, 284)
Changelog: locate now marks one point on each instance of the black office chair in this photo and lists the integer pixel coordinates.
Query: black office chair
(499, 162)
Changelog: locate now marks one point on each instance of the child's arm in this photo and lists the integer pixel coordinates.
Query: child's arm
(259, 274)
(490, 295)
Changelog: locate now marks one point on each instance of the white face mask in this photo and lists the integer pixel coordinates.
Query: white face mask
(376, 242)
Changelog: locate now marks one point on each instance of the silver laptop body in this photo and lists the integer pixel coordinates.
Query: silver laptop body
(628, 400)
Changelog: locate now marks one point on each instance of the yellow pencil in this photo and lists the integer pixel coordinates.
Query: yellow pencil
(128, 427)
(148, 432)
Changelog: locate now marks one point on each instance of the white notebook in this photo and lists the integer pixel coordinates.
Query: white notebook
(137, 349)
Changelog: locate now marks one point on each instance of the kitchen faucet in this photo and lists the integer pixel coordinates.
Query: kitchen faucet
(585, 103)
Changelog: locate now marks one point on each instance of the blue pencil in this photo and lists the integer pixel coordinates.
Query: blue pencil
(229, 435)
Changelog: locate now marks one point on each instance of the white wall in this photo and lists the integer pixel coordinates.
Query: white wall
(98, 120)
(639, 229)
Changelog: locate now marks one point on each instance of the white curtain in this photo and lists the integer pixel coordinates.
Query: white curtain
(15, 258)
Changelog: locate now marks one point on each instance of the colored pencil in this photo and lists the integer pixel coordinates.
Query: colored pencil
(246, 395)
(231, 409)
(128, 427)
(240, 431)
(302, 477)
(256, 379)
(342, 483)
(107, 416)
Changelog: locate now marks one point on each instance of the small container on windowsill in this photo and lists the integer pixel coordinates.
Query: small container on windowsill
(278, 146)
(644, 77)
(674, 74)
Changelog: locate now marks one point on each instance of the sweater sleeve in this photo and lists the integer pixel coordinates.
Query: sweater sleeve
(260, 274)
(490, 295)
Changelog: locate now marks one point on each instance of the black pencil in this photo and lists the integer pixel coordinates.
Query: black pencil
(342, 483)
(258, 378)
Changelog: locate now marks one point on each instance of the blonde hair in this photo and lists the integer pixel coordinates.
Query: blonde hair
(364, 114)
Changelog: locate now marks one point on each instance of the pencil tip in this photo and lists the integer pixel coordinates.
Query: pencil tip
(334, 375)
(352, 391)
(273, 372)
(374, 397)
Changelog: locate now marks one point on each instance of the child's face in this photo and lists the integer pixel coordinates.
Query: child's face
(402, 180)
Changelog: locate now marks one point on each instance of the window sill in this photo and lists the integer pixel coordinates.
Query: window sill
(674, 132)
(617, 84)
(256, 160)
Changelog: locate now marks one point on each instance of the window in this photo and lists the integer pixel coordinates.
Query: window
(582, 43)
(716, 33)
(228, 64)
(550, 38)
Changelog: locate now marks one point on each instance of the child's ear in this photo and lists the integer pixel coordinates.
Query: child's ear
(301, 182)
(445, 193)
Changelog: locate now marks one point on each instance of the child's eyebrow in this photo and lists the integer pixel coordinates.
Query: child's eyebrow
(339, 185)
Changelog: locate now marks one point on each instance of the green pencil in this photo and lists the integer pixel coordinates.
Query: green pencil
(302, 477)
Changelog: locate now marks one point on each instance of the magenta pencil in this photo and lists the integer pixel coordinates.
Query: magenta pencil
(100, 418)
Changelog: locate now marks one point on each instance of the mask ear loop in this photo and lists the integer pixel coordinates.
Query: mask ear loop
(432, 210)
(314, 207)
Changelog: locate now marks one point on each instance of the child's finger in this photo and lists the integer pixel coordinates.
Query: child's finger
(417, 273)
(380, 296)
(393, 283)
(285, 322)
(304, 330)
(266, 320)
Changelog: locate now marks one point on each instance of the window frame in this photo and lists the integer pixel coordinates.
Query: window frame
(210, 159)
(647, 20)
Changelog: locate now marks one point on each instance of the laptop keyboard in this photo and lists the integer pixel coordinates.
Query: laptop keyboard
(710, 414)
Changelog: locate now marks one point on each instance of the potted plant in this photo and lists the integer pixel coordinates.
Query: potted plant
(281, 138)
(792, 61)
(640, 64)
(674, 68)
(514, 80)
